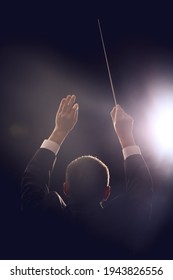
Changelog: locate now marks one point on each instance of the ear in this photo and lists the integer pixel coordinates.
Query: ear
(66, 189)
(106, 193)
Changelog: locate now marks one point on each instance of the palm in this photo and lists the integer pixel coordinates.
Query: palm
(67, 114)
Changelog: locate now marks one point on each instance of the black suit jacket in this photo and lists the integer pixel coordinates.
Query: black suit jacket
(53, 231)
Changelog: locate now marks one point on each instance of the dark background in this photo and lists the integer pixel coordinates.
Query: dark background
(47, 52)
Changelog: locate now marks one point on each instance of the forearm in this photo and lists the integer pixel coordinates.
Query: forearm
(139, 195)
(139, 188)
(138, 177)
(139, 183)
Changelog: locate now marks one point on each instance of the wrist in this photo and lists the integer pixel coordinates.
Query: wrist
(57, 136)
(127, 141)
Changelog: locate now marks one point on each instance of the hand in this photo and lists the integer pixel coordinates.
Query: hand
(66, 118)
(123, 125)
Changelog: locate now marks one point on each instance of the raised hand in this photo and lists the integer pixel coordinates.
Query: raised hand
(66, 119)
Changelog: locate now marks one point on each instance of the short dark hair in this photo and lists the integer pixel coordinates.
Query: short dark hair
(87, 177)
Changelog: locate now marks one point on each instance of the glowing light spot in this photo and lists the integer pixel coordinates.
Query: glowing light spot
(17, 130)
(161, 124)
(164, 128)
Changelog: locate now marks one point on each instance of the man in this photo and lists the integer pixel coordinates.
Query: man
(83, 229)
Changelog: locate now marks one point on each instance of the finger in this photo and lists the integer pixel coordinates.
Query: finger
(72, 100)
(121, 114)
(113, 112)
(67, 99)
(115, 108)
(68, 103)
(60, 109)
(76, 108)
(74, 113)
(121, 111)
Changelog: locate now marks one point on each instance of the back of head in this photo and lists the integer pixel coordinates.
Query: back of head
(87, 177)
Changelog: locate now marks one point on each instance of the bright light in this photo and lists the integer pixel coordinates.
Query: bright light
(161, 124)
(163, 127)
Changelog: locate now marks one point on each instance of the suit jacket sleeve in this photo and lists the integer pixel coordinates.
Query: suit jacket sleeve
(132, 209)
(35, 184)
(139, 189)
(139, 186)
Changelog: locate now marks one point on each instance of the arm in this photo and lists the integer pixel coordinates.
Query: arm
(137, 210)
(35, 182)
(137, 174)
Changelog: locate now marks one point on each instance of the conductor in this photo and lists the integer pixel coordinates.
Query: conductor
(82, 228)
